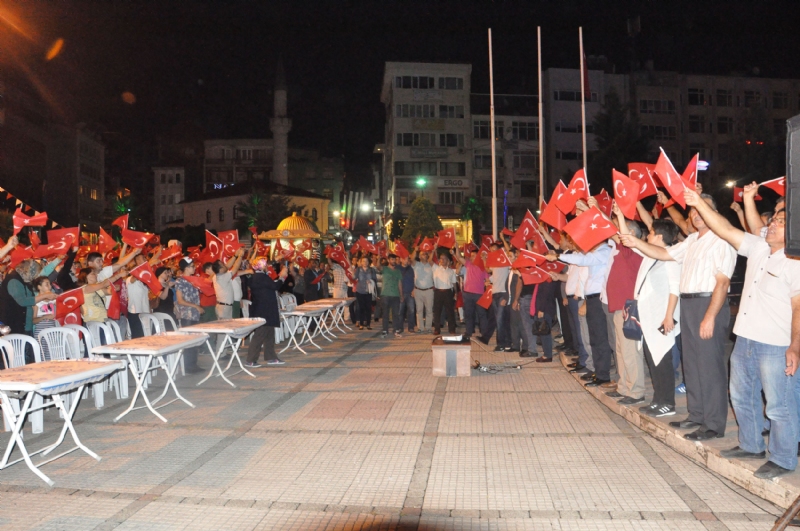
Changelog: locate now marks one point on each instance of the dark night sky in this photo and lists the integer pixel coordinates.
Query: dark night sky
(213, 63)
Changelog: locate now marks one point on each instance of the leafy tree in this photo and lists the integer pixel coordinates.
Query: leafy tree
(422, 220)
(264, 211)
(398, 224)
(619, 140)
(475, 210)
(756, 152)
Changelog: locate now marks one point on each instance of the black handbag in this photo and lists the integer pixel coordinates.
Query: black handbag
(540, 327)
(631, 327)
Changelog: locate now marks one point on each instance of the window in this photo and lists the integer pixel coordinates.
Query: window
(313, 214)
(656, 107)
(660, 132)
(451, 83)
(414, 168)
(406, 198)
(451, 111)
(724, 98)
(244, 154)
(417, 82)
(481, 129)
(416, 111)
(163, 178)
(569, 155)
(178, 178)
(94, 194)
(725, 125)
(525, 130)
(451, 140)
(780, 100)
(416, 139)
(483, 159)
(751, 98)
(483, 188)
(169, 199)
(222, 214)
(572, 95)
(572, 127)
(453, 169)
(697, 123)
(705, 154)
(526, 159)
(170, 179)
(697, 96)
(451, 198)
(528, 189)
(227, 153)
(235, 211)
(163, 219)
(163, 200)
(208, 216)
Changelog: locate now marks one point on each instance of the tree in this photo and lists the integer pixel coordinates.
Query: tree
(398, 224)
(619, 140)
(474, 210)
(264, 211)
(422, 220)
(756, 152)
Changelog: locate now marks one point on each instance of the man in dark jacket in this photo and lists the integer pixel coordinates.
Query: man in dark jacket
(313, 291)
(264, 303)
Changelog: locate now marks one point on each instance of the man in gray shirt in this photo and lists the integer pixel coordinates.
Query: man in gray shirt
(423, 290)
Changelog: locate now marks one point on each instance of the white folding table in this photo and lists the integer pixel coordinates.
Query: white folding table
(304, 317)
(323, 327)
(49, 378)
(158, 347)
(232, 329)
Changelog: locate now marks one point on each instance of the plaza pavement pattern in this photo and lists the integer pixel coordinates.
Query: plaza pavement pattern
(361, 436)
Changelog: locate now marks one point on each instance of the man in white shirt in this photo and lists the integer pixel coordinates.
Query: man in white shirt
(423, 290)
(708, 263)
(767, 350)
(223, 287)
(501, 305)
(138, 300)
(444, 280)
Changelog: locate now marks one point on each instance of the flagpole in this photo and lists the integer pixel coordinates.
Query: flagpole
(492, 137)
(583, 109)
(541, 118)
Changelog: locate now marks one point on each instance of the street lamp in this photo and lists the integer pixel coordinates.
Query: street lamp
(730, 184)
(366, 207)
(421, 182)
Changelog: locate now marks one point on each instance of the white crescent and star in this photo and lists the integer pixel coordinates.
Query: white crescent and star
(69, 304)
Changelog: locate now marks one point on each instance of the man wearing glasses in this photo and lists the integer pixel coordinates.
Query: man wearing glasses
(767, 350)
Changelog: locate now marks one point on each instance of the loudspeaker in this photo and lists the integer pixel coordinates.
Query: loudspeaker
(793, 187)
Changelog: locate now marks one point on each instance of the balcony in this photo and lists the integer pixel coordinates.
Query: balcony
(230, 162)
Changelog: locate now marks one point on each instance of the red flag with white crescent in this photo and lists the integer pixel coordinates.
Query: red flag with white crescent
(486, 299)
(114, 306)
(214, 247)
(670, 178)
(202, 284)
(106, 241)
(121, 222)
(776, 185)
(64, 238)
(578, 189)
(21, 220)
(553, 267)
(738, 195)
(230, 242)
(689, 176)
(147, 276)
(171, 252)
(528, 230)
(551, 214)
(527, 258)
(626, 193)
(135, 238)
(400, 250)
(642, 173)
(18, 255)
(604, 202)
(447, 238)
(589, 229)
(68, 302)
(534, 275)
(34, 238)
(427, 245)
(498, 258)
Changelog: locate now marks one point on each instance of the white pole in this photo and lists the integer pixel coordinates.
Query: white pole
(492, 135)
(541, 118)
(583, 109)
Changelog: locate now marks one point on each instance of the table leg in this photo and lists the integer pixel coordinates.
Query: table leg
(292, 332)
(16, 437)
(215, 365)
(139, 390)
(171, 379)
(235, 356)
(307, 334)
(68, 415)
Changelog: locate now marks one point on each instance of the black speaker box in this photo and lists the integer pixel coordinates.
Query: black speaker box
(793, 187)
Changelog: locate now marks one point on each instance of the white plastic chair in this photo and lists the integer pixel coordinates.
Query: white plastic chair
(87, 344)
(119, 379)
(15, 357)
(114, 328)
(62, 343)
(163, 319)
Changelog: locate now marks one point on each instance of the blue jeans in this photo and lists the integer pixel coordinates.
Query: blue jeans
(527, 325)
(408, 311)
(502, 317)
(755, 367)
(471, 312)
(573, 305)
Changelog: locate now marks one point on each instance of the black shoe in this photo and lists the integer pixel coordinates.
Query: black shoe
(526, 354)
(508, 349)
(596, 382)
(572, 365)
(542, 359)
(588, 376)
(498, 349)
(770, 470)
(703, 435)
(684, 424)
(579, 368)
(614, 394)
(737, 453)
(484, 341)
(629, 401)
(193, 370)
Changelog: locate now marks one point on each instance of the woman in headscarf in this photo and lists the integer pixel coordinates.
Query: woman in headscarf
(17, 298)
(264, 303)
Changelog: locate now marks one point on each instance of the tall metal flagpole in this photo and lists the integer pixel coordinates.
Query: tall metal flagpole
(583, 108)
(541, 119)
(492, 135)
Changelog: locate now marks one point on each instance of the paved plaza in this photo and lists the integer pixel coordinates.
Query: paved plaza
(362, 436)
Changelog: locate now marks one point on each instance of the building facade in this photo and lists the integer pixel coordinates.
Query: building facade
(169, 184)
(236, 161)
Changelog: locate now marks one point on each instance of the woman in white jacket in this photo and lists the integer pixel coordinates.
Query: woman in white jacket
(658, 295)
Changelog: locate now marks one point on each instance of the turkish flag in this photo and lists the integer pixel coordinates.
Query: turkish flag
(604, 202)
(776, 185)
(319, 278)
(136, 239)
(367, 246)
(110, 255)
(487, 240)
(589, 229)
(738, 195)
(339, 257)
(642, 173)
(626, 194)
(121, 222)
(51, 249)
(577, 189)
(69, 301)
(416, 241)
(270, 272)
(114, 306)
(21, 220)
(203, 284)
(551, 214)
(171, 252)
(527, 259)
(262, 249)
(254, 230)
(230, 242)
(534, 275)
(301, 260)
(553, 267)
(689, 176)
(215, 247)
(447, 238)
(69, 237)
(506, 231)
(304, 246)
(73, 317)
(486, 299)
(146, 275)
(659, 209)
(400, 250)
(34, 238)
(498, 258)
(106, 241)
(354, 248)
(19, 254)
(528, 230)
(670, 178)
(427, 245)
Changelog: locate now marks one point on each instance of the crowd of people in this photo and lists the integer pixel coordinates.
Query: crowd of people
(665, 279)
